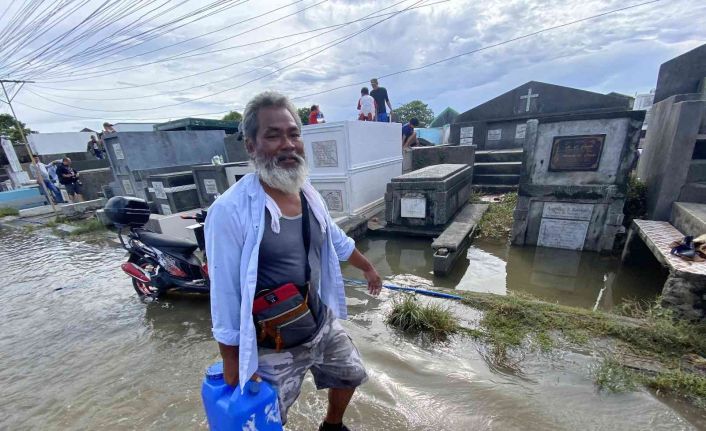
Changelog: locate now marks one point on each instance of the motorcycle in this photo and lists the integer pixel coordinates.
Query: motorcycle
(159, 263)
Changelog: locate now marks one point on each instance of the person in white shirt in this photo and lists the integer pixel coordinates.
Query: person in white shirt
(40, 173)
(273, 258)
(366, 106)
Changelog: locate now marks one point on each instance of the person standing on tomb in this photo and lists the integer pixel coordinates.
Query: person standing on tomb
(94, 147)
(366, 106)
(68, 177)
(409, 136)
(315, 115)
(276, 286)
(40, 172)
(108, 128)
(381, 98)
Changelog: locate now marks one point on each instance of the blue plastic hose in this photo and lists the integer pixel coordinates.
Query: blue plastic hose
(407, 289)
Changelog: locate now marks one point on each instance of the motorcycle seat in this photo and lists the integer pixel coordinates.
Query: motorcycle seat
(166, 241)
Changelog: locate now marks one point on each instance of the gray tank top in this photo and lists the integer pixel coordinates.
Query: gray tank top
(282, 257)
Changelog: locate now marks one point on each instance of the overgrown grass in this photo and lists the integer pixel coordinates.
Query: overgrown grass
(409, 315)
(497, 221)
(635, 201)
(5, 211)
(645, 330)
(88, 226)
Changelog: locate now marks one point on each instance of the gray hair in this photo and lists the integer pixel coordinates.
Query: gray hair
(265, 100)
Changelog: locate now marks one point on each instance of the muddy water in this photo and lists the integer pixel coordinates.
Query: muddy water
(79, 351)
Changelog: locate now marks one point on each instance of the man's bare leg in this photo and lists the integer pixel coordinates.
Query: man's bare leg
(338, 399)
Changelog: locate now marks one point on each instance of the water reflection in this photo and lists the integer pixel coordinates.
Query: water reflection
(568, 277)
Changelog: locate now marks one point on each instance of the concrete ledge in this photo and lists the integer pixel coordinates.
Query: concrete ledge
(689, 218)
(456, 238)
(36, 211)
(173, 225)
(70, 210)
(462, 226)
(658, 235)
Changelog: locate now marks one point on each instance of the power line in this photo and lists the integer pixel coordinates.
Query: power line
(205, 34)
(228, 78)
(473, 51)
(330, 45)
(525, 36)
(107, 72)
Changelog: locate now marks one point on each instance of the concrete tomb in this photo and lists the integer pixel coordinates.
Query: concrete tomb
(684, 74)
(350, 162)
(574, 179)
(428, 197)
(134, 156)
(173, 192)
(235, 149)
(212, 180)
(93, 181)
(500, 124)
(673, 160)
(421, 157)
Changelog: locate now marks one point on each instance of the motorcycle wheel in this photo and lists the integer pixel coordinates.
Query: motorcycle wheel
(144, 290)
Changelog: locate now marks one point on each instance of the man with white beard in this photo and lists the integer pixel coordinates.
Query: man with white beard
(276, 285)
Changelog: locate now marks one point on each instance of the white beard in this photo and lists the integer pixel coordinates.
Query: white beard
(287, 180)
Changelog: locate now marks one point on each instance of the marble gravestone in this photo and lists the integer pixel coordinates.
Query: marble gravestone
(574, 180)
(428, 197)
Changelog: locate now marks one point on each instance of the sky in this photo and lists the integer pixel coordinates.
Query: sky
(618, 52)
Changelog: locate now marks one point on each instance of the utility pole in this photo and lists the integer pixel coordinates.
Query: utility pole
(9, 100)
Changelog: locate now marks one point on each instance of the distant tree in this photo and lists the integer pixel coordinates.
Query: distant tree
(304, 114)
(9, 129)
(415, 109)
(233, 116)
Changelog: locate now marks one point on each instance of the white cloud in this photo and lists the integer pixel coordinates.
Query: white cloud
(621, 52)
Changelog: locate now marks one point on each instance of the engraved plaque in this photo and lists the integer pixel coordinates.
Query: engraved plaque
(127, 186)
(333, 199)
(521, 131)
(325, 154)
(568, 234)
(165, 209)
(466, 132)
(118, 152)
(413, 207)
(495, 134)
(567, 211)
(466, 141)
(576, 153)
(210, 186)
(159, 192)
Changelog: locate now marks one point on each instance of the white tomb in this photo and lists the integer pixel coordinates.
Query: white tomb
(351, 162)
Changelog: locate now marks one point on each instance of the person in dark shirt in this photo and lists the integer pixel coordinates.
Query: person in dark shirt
(409, 136)
(381, 98)
(68, 177)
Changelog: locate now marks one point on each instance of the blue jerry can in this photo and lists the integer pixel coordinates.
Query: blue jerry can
(227, 409)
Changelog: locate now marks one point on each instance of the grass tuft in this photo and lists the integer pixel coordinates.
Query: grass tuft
(88, 226)
(5, 211)
(497, 221)
(611, 376)
(409, 315)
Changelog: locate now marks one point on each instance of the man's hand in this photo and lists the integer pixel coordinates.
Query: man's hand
(374, 281)
(230, 363)
(371, 275)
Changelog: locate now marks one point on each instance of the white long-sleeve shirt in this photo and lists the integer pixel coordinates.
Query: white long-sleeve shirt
(234, 229)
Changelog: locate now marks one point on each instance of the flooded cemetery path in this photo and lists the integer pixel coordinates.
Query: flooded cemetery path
(79, 351)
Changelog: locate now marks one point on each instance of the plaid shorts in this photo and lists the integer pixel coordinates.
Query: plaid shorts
(331, 356)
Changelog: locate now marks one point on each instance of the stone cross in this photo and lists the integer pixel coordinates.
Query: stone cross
(529, 97)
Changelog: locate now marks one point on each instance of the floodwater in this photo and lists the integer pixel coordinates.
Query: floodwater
(78, 351)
